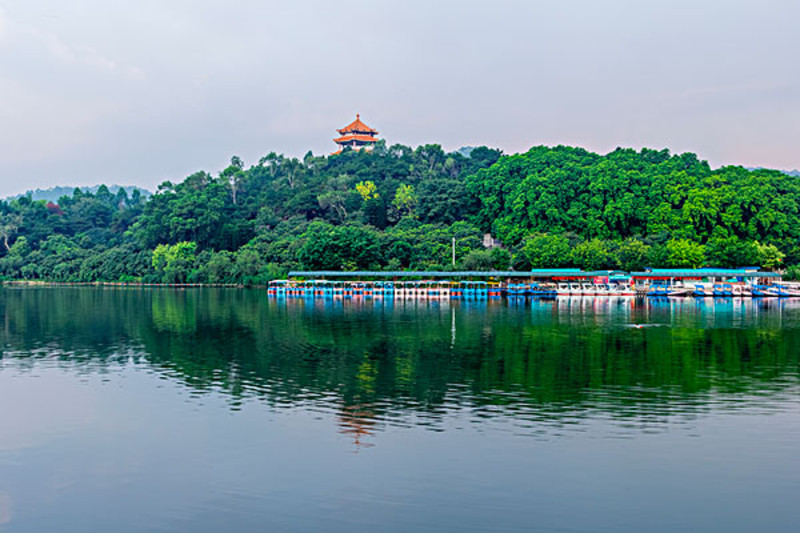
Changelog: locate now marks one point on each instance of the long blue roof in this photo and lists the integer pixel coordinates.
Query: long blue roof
(541, 273)
(703, 273)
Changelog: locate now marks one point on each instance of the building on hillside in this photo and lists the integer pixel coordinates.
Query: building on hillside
(357, 136)
(491, 242)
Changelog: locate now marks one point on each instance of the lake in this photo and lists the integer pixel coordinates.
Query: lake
(223, 410)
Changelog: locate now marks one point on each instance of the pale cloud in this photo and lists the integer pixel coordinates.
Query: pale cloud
(85, 56)
(93, 91)
(742, 88)
(46, 124)
(17, 33)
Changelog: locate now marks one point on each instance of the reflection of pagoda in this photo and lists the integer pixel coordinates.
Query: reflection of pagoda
(357, 421)
(356, 135)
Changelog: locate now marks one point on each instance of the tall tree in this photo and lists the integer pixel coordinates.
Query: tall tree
(9, 224)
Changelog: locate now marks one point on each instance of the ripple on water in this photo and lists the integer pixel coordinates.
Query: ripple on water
(246, 400)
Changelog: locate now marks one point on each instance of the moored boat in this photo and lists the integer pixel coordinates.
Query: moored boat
(543, 290)
(662, 290)
(784, 290)
(495, 290)
(702, 290)
(621, 289)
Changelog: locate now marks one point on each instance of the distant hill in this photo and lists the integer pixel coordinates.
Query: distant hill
(795, 173)
(465, 150)
(54, 193)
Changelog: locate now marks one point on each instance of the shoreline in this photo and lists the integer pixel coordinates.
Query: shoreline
(133, 284)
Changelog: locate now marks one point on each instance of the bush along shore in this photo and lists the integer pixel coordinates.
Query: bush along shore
(398, 208)
(123, 284)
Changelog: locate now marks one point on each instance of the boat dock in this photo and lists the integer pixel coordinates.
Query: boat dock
(543, 283)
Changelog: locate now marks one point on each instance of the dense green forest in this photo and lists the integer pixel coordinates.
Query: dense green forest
(399, 208)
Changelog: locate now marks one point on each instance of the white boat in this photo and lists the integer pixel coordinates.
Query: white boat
(601, 289)
(618, 289)
(563, 289)
(742, 291)
(785, 289)
(588, 289)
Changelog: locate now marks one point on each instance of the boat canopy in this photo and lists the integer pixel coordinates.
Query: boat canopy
(661, 273)
(540, 273)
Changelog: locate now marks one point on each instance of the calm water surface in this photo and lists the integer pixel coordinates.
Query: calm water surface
(221, 410)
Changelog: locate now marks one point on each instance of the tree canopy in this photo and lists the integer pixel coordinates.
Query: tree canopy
(397, 207)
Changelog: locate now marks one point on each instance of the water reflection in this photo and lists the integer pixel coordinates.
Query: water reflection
(545, 365)
(358, 422)
(5, 508)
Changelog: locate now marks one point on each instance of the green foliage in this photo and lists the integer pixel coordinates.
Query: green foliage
(792, 273)
(632, 255)
(501, 258)
(544, 250)
(405, 199)
(329, 247)
(593, 255)
(494, 259)
(20, 248)
(731, 252)
(248, 265)
(367, 190)
(429, 246)
(443, 200)
(174, 262)
(375, 212)
(397, 207)
(769, 256)
(219, 267)
(477, 260)
(683, 253)
(627, 193)
(9, 225)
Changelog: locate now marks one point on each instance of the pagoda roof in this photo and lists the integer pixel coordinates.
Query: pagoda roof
(357, 127)
(362, 138)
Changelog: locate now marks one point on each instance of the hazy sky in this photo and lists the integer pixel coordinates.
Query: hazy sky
(138, 92)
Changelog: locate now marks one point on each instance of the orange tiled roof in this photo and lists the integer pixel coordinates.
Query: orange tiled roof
(362, 138)
(357, 127)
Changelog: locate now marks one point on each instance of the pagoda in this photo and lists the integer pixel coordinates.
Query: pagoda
(356, 135)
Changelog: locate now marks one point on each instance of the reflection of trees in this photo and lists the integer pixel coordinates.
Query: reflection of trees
(371, 357)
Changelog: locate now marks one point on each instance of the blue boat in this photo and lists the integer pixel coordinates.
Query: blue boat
(723, 289)
(700, 291)
(661, 290)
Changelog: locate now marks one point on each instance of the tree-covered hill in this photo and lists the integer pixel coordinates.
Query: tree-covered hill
(667, 203)
(398, 207)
